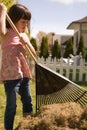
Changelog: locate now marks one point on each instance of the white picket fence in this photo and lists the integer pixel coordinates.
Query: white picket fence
(75, 69)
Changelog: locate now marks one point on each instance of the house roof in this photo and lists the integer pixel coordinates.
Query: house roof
(77, 23)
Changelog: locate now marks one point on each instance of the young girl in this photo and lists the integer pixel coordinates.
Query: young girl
(15, 72)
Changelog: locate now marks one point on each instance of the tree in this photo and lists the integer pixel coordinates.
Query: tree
(8, 3)
(68, 48)
(33, 42)
(44, 48)
(81, 48)
(56, 50)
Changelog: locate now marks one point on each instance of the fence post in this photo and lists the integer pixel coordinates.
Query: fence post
(61, 66)
(67, 68)
(86, 73)
(81, 70)
(74, 70)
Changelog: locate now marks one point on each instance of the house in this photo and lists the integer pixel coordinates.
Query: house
(80, 28)
(62, 40)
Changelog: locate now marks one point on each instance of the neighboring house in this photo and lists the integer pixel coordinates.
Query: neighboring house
(62, 40)
(80, 28)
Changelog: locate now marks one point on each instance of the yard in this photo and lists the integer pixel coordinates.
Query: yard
(18, 117)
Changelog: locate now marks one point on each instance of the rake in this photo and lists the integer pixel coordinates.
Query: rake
(51, 87)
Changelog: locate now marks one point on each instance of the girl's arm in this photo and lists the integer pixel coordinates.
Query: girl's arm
(3, 11)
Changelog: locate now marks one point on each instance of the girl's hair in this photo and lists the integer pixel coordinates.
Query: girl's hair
(16, 12)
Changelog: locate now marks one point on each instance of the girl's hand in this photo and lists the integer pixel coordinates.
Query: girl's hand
(26, 42)
(22, 40)
(2, 8)
(3, 11)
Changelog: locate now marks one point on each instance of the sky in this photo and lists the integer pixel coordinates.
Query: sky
(54, 15)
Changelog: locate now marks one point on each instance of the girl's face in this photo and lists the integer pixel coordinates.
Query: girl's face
(21, 25)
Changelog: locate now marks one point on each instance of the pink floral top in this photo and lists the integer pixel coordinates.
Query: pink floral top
(14, 63)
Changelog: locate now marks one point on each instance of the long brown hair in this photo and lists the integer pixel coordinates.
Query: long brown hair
(16, 12)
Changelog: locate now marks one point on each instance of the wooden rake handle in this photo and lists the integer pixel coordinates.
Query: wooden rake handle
(18, 34)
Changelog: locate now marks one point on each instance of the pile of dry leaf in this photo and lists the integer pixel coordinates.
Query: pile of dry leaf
(63, 116)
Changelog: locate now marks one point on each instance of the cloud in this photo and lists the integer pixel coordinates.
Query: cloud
(67, 2)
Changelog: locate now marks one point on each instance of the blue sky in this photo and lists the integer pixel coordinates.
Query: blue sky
(54, 15)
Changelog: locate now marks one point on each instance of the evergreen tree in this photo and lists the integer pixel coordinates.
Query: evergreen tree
(44, 48)
(33, 42)
(81, 48)
(56, 53)
(68, 48)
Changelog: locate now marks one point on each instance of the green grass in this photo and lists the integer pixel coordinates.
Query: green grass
(18, 117)
(82, 84)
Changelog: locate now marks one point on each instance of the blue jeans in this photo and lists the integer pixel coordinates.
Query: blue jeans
(12, 88)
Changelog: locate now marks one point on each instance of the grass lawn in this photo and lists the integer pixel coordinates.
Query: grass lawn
(82, 84)
(18, 116)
